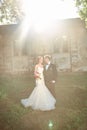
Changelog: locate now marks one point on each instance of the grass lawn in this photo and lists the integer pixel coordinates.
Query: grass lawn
(71, 107)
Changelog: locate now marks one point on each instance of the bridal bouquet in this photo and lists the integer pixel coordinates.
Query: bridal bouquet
(37, 75)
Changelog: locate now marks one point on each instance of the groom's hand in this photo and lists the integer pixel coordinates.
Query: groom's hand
(53, 81)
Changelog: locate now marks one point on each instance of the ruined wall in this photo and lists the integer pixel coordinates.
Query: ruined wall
(11, 63)
(68, 44)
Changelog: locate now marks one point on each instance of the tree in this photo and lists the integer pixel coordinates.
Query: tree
(82, 9)
(10, 11)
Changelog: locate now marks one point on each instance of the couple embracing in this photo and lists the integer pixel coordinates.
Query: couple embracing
(43, 95)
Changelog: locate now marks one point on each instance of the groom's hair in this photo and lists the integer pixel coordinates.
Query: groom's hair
(47, 56)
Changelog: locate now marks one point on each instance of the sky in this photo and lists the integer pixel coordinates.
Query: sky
(42, 13)
(52, 9)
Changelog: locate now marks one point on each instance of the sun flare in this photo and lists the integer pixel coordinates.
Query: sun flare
(42, 13)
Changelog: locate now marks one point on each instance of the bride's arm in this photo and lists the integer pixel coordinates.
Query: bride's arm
(36, 73)
(36, 70)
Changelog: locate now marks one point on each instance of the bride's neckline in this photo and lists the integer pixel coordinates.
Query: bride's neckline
(41, 66)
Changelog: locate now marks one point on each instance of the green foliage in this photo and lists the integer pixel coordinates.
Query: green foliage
(82, 9)
(10, 12)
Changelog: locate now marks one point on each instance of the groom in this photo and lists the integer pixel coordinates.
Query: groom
(50, 74)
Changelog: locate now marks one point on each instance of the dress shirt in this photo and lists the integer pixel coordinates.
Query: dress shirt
(47, 65)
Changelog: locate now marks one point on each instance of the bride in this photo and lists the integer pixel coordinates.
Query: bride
(40, 98)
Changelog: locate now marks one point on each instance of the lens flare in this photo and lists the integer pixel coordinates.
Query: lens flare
(50, 124)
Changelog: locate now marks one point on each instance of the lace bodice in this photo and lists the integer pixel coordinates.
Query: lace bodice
(41, 79)
(40, 70)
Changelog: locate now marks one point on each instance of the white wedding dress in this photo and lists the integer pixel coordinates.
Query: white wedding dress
(40, 98)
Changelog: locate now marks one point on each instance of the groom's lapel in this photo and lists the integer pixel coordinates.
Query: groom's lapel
(45, 67)
(49, 66)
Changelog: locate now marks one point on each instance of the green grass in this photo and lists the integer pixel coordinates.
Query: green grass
(71, 112)
(78, 122)
(10, 111)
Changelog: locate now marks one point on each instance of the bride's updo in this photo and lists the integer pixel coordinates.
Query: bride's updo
(39, 58)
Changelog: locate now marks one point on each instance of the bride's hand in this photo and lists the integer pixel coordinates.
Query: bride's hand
(37, 75)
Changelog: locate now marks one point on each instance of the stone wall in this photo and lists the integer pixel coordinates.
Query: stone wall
(67, 47)
(11, 63)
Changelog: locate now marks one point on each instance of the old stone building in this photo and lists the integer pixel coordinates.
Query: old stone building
(19, 49)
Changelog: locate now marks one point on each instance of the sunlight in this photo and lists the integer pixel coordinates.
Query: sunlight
(42, 13)
(23, 29)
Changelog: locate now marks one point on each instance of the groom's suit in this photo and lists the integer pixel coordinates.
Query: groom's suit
(50, 76)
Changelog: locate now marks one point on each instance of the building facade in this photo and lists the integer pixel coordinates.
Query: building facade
(19, 49)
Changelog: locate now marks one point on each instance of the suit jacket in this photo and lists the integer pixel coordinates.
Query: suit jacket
(51, 73)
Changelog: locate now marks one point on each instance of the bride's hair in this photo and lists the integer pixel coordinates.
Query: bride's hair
(38, 58)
